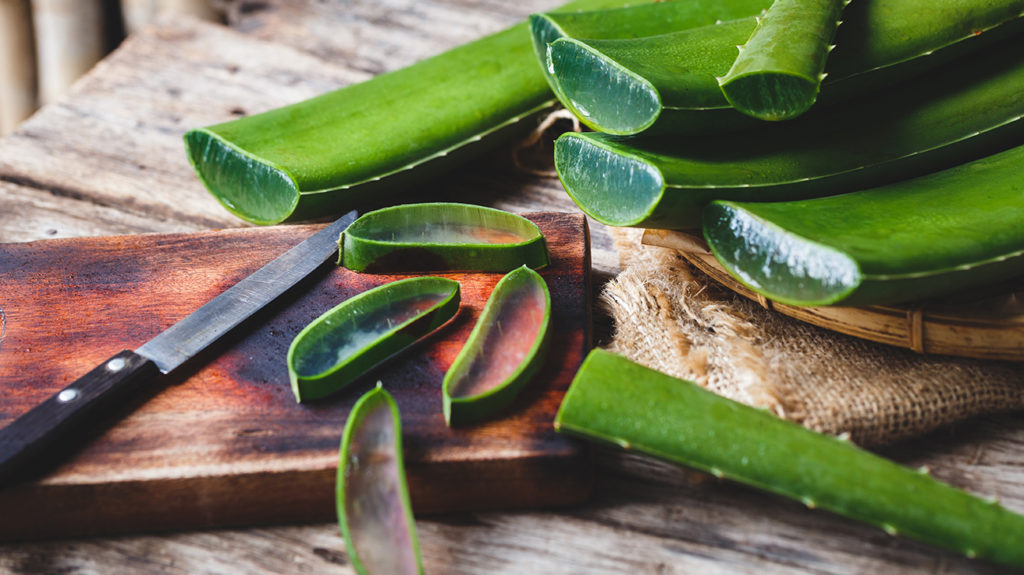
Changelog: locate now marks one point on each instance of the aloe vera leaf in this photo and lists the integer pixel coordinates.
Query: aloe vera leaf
(669, 81)
(913, 239)
(328, 153)
(616, 401)
(961, 112)
(633, 22)
(505, 350)
(372, 498)
(778, 72)
(441, 236)
(365, 330)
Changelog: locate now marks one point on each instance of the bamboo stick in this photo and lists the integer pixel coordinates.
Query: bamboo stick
(69, 40)
(139, 13)
(17, 65)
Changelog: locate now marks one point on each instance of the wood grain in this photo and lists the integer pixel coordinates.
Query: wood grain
(227, 438)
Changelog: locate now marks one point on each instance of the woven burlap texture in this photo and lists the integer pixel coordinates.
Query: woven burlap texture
(672, 318)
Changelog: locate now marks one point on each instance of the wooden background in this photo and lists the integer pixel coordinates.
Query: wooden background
(108, 159)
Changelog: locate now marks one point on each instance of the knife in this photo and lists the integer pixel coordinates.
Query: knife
(93, 394)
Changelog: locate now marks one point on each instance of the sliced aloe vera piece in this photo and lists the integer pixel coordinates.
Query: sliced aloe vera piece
(918, 238)
(619, 402)
(961, 112)
(505, 349)
(669, 81)
(374, 512)
(328, 153)
(366, 329)
(778, 72)
(633, 22)
(441, 236)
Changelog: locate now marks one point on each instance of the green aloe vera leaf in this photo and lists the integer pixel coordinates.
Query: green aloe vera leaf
(778, 72)
(616, 401)
(918, 238)
(441, 236)
(372, 498)
(364, 330)
(960, 113)
(505, 350)
(328, 153)
(633, 22)
(669, 82)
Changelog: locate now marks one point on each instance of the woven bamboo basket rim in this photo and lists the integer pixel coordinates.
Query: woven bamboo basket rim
(989, 324)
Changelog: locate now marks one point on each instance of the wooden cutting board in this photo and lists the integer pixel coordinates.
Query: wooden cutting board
(224, 442)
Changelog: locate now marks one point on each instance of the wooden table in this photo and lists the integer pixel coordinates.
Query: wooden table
(108, 159)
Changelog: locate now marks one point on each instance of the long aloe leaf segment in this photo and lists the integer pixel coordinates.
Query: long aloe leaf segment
(913, 239)
(506, 349)
(363, 331)
(633, 22)
(374, 512)
(961, 112)
(441, 236)
(326, 154)
(670, 81)
(616, 401)
(778, 72)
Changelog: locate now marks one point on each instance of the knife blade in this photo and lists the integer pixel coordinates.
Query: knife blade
(91, 395)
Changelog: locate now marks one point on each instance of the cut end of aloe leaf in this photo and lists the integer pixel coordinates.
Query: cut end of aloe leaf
(504, 351)
(363, 331)
(770, 96)
(603, 94)
(776, 263)
(372, 498)
(613, 188)
(543, 31)
(232, 175)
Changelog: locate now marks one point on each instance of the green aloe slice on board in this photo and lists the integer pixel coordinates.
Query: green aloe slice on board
(633, 22)
(669, 82)
(505, 350)
(965, 110)
(374, 512)
(925, 237)
(441, 236)
(364, 330)
(616, 401)
(778, 72)
(326, 154)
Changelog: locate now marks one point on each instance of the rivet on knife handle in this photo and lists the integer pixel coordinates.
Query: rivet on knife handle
(77, 405)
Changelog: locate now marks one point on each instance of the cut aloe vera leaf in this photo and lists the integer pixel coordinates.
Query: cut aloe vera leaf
(616, 401)
(441, 236)
(960, 113)
(374, 512)
(633, 22)
(326, 154)
(778, 72)
(504, 351)
(365, 330)
(929, 236)
(669, 81)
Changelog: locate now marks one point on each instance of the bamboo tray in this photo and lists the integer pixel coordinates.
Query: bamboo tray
(986, 325)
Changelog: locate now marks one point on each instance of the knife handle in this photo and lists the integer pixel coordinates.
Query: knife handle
(73, 408)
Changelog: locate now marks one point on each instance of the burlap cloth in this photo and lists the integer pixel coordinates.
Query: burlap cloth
(672, 318)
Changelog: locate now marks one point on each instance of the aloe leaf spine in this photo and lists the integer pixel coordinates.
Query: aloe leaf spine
(441, 236)
(669, 82)
(616, 401)
(778, 72)
(965, 110)
(372, 499)
(327, 154)
(507, 347)
(918, 238)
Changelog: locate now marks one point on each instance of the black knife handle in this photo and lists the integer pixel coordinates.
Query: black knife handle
(76, 406)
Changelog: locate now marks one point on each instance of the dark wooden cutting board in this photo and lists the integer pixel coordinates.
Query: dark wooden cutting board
(224, 442)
